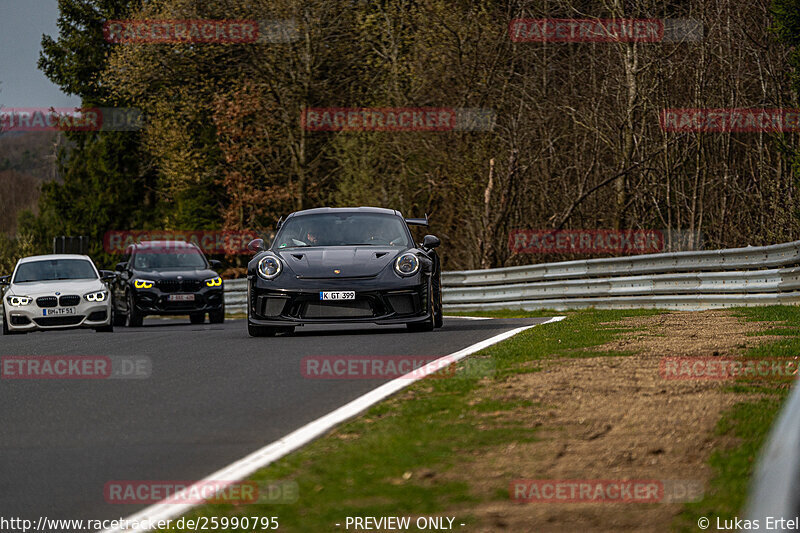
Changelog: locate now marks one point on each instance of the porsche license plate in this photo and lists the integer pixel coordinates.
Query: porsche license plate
(337, 295)
(181, 298)
(57, 311)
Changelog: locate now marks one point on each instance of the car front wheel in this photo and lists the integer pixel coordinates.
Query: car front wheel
(216, 317)
(134, 319)
(117, 318)
(6, 331)
(430, 323)
(438, 312)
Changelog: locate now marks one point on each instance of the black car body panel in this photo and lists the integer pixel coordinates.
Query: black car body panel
(382, 295)
(354, 262)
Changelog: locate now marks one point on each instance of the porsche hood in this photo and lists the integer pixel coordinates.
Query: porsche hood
(338, 261)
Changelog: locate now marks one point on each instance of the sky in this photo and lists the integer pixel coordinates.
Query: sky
(22, 23)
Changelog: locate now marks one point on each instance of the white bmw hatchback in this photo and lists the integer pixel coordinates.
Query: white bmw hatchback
(56, 292)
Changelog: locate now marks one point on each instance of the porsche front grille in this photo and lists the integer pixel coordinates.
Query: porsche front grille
(359, 308)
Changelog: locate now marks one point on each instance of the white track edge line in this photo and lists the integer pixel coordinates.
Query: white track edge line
(300, 437)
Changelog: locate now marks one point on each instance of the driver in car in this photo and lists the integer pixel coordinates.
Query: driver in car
(308, 237)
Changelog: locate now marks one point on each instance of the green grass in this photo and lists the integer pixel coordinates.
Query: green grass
(511, 313)
(747, 423)
(394, 459)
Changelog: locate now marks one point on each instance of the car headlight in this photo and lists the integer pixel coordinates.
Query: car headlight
(19, 301)
(269, 267)
(143, 284)
(99, 296)
(406, 264)
(214, 282)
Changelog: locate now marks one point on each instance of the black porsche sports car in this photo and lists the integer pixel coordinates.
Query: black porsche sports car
(167, 278)
(344, 265)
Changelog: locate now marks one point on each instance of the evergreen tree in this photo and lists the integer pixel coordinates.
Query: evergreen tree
(106, 184)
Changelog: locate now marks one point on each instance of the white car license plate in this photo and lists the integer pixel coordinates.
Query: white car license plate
(56, 311)
(181, 297)
(337, 295)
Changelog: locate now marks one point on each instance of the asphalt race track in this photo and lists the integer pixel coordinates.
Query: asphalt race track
(214, 395)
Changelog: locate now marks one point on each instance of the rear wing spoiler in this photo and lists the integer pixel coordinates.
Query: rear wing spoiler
(418, 221)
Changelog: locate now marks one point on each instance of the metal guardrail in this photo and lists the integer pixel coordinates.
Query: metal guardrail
(775, 486)
(236, 296)
(763, 275)
(775, 256)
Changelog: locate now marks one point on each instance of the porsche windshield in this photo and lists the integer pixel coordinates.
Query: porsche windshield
(54, 269)
(343, 229)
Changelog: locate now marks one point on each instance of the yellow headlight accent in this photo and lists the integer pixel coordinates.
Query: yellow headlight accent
(142, 284)
(216, 282)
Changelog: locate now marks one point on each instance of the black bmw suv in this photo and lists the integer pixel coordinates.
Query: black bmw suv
(167, 278)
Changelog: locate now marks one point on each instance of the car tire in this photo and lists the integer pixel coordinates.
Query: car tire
(216, 317)
(428, 324)
(260, 331)
(134, 319)
(197, 318)
(6, 331)
(438, 312)
(117, 319)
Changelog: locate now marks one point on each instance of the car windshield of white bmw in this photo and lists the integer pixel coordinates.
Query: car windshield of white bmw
(351, 229)
(163, 259)
(54, 269)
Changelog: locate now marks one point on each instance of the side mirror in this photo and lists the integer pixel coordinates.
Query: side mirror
(120, 267)
(107, 275)
(256, 245)
(5, 281)
(430, 242)
(215, 263)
